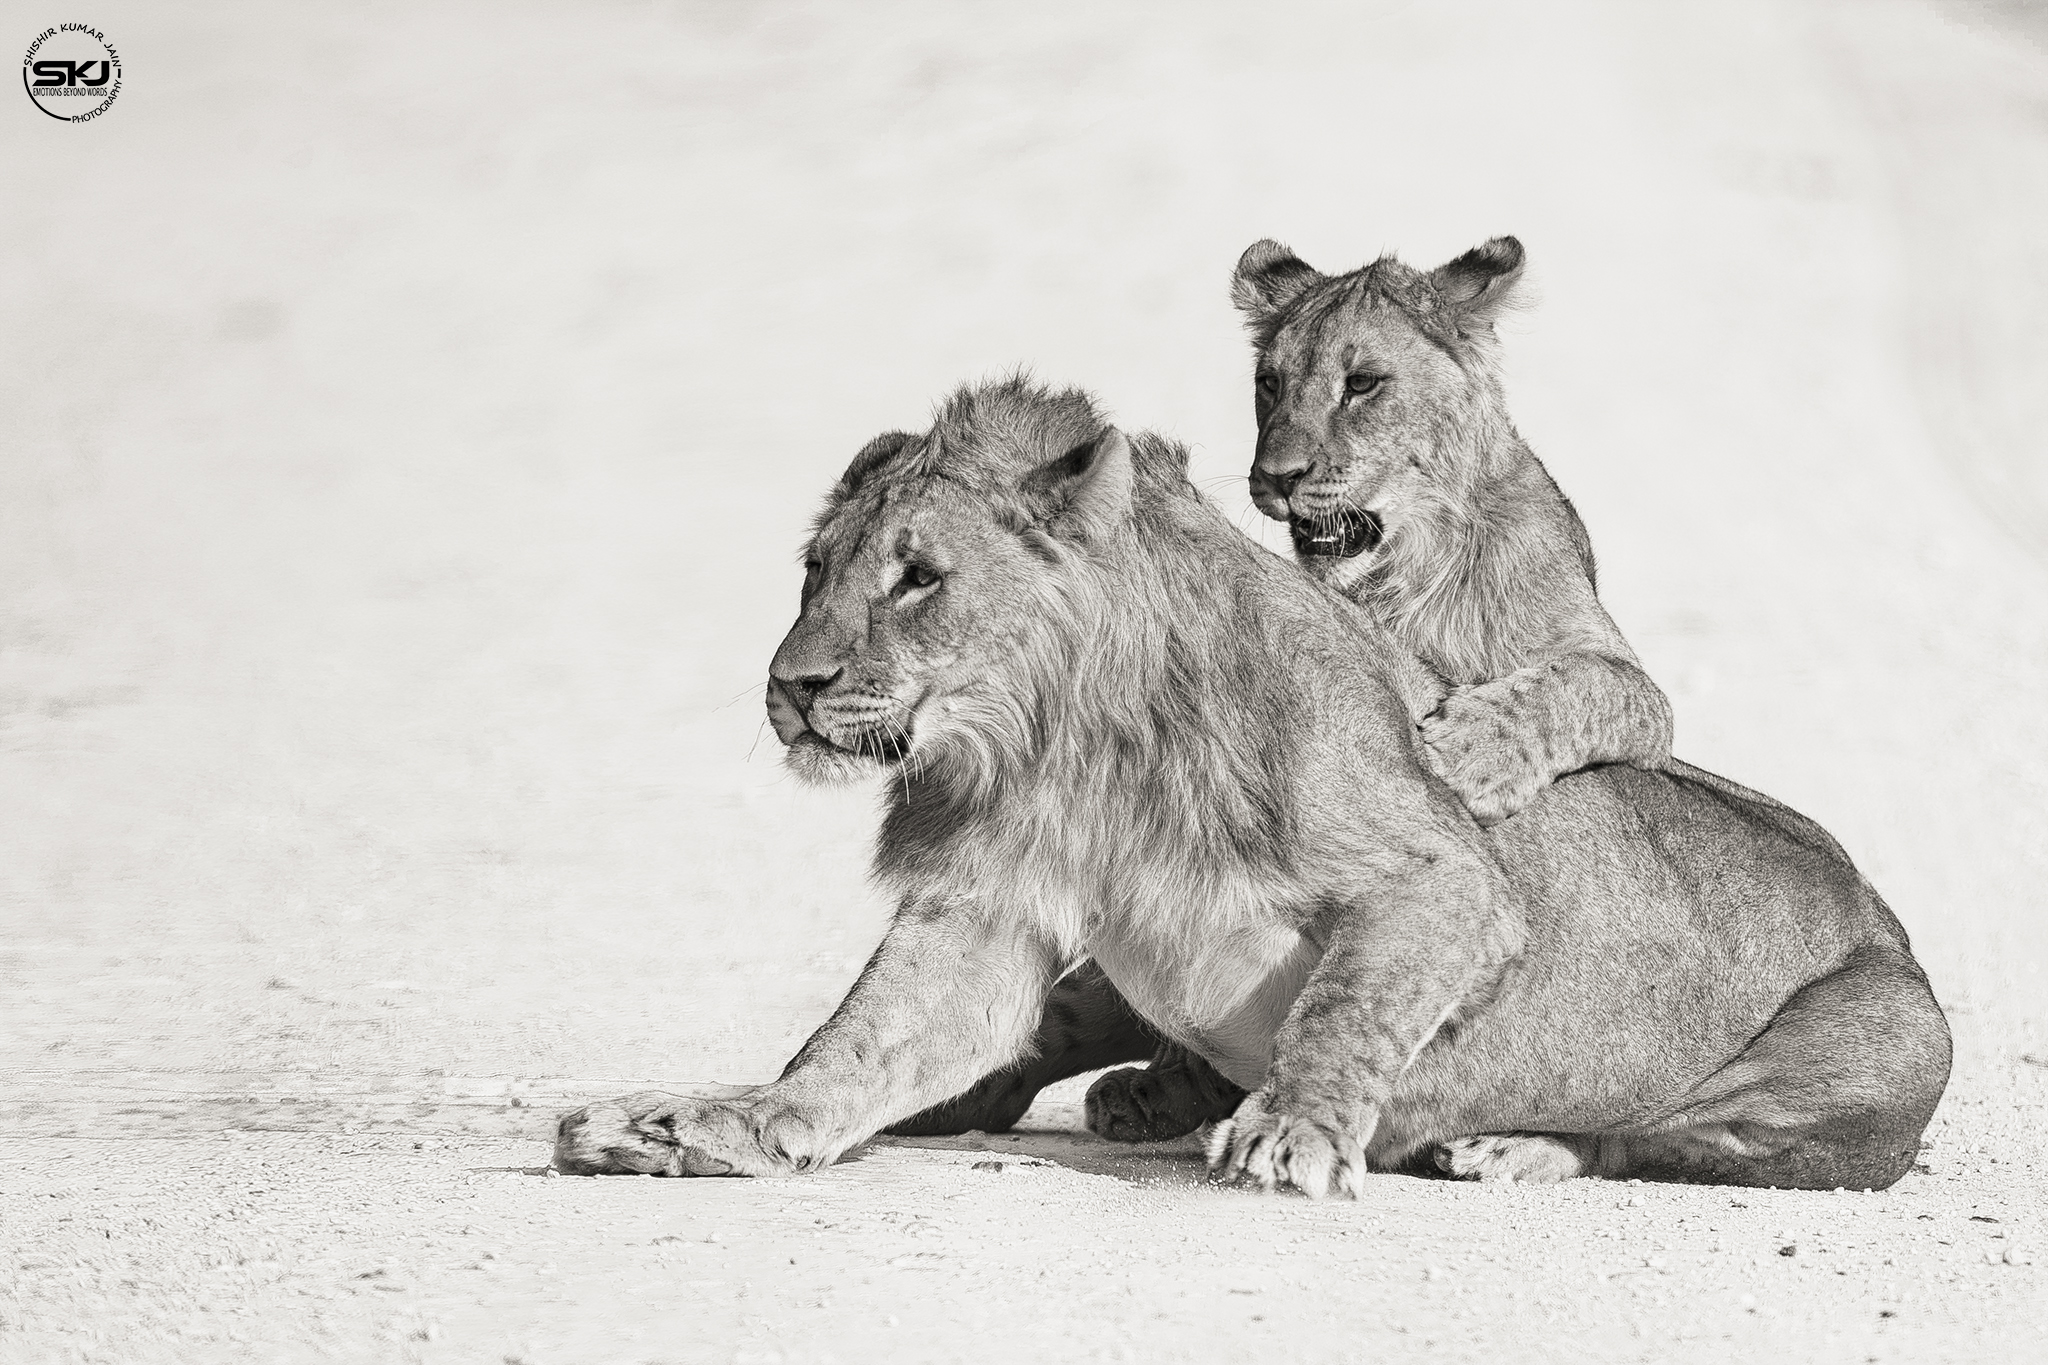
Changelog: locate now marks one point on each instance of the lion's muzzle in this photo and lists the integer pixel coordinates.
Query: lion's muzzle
(785, 713)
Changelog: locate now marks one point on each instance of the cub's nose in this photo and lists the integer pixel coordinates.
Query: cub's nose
(1277, 485)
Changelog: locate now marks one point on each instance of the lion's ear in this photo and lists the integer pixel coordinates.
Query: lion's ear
(875, 452)
(1268, 278)
(1479, 284)
(1086, 492)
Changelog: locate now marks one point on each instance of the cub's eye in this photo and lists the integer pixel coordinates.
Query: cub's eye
(1269, 385)
(1363, 385)
(918, 576)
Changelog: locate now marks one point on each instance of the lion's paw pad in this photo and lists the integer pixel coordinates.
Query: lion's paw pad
(1131, 1105)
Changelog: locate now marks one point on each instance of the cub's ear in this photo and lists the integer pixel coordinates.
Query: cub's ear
(1268, 278)
(1085, 493)
(1479, 284)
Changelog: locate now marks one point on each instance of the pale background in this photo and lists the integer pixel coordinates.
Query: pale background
(408, 417)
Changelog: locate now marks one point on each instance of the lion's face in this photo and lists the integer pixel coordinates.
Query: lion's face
(899, 596)
(918, 586)
(1366, 387)
(1349, 400)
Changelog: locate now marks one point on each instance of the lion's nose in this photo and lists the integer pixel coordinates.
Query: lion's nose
(804, 684)
(1279, 483)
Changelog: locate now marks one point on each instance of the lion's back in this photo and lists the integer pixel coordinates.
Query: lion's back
(1626, 851)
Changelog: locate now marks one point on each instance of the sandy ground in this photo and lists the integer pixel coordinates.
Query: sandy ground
(409, 422)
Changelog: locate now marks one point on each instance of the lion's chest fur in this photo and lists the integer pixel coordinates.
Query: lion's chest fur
(1220, 989)
(1201, 943)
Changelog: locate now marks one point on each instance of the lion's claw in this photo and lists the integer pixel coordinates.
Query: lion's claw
(1315, 1155)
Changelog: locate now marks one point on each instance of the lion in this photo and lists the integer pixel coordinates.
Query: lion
(1118, 731)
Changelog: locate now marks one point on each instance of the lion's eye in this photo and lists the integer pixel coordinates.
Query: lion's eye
(1363, 385)
(1269, 385)
(919, 576)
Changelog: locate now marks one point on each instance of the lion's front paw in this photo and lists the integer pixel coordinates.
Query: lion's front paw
(657, 1134)
(1316, 1154)
(1481, 749)
(1527, 1158)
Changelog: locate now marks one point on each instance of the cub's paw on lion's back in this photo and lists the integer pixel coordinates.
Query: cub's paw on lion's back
(1479, 747)
(1264, 1143)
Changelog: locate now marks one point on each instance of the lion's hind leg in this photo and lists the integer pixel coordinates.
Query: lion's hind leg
(1523, 1158)
(1834, 1093)
(1171, 1098)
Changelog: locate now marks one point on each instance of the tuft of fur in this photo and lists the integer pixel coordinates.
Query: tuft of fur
(1141, 740)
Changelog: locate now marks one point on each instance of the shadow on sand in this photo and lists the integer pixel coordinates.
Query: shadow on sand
(1055, 1134)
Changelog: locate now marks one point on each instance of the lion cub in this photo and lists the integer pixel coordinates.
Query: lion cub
(1385, 444)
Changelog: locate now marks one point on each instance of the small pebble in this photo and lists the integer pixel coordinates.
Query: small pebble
(1789, 1249)
(994, 1166)
(551, 1173)
(2019, 1256)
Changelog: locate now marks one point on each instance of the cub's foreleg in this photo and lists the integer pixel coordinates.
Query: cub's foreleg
(1499, 743)
(1403, 958)
(952, 994)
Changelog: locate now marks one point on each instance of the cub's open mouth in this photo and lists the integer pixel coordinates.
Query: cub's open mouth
(1350, 532)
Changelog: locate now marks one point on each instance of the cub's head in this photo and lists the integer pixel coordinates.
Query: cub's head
(1375, 391)
(937, 575)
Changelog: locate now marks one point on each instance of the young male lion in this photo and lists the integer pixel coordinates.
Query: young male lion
(1120, 730)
